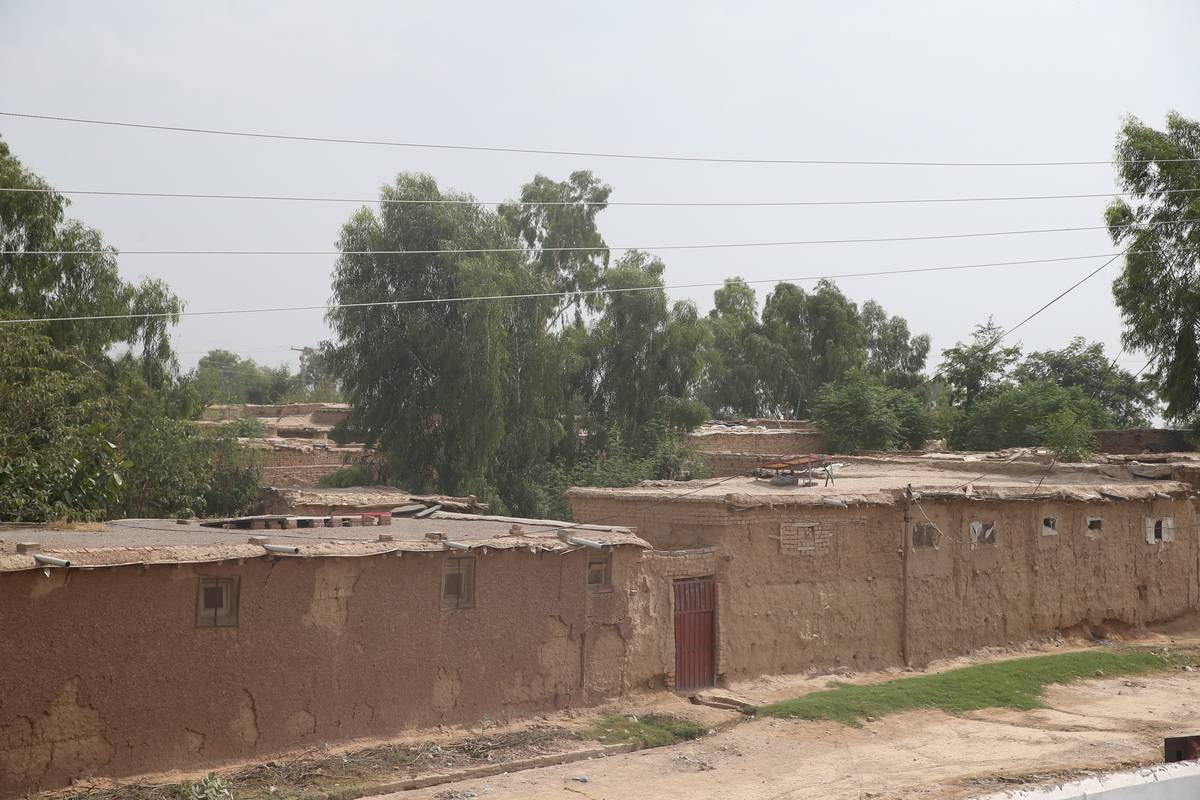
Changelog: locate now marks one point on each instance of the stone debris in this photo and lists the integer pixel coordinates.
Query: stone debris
(720, 698)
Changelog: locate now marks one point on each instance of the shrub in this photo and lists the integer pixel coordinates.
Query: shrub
(210, 787)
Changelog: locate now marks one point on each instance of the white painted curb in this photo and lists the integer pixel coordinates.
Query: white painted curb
(1178, 781)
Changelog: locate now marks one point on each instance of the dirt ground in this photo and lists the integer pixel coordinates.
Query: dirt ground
(1096, 725)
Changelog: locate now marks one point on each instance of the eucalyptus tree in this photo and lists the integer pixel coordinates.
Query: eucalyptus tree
(1158, 291)
(39, 279)
(731, 384)
(810, 339)
(643, 355)
(427, 380)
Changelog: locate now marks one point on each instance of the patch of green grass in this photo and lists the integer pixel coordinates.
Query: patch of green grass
(651, 730)
(1015, 684)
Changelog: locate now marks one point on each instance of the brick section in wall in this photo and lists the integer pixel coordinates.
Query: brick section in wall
(779, 442)
(303, 465)
(1141, 440)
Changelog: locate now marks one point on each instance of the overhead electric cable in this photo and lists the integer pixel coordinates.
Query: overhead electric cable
(581, 203)
(576, 153)
(603, 248)
(532, 295)
(1060, 296)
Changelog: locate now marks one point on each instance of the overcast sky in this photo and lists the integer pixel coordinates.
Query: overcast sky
(930, 81)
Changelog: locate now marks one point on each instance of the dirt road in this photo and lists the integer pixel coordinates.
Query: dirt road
(1093, 725)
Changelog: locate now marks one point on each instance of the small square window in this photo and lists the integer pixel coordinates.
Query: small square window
(925, 536)
(1160, 529)
(1049, 526)
(983, 532)
(458, 583)
(599, 574)
(1095, 528)
(217, 603)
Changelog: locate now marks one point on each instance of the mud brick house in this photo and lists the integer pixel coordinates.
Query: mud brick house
(863, 573)
(296, 448)
(735, 447)
(149, 645)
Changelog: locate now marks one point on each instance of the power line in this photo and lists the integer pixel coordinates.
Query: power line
(573, 249)
(534, 295)
(1060, 296)
(577, 153)
(581, 203)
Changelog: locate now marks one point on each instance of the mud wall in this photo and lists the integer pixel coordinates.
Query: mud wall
(802, 588)
(654, 608)
(1030, 584)
(302, 465)
(1142, 440)
(723, 465)
(105, 673)
(783, 607)
(784, 442)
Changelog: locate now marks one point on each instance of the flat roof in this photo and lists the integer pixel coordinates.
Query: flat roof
(882, 480)
(165, 541)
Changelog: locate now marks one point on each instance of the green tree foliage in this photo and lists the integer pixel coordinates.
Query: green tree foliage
(644, 355)
(476, 397)
(94, 422)
(564, 217)
(893, 355)
(508, 399)
(859, 412)
(316, 380)
(970, 370)
(733, 352)
(57, 457)
(1158, 292)
(811, 339)
(1051, 398)
(79, 441)
(35, 285)
(224, 377)
(1028, 415)
(427, 383)
(1128, 401)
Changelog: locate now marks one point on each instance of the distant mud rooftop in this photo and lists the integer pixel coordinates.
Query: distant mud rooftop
(295, 442)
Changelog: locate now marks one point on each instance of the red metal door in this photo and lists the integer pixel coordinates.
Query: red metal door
(695, 632)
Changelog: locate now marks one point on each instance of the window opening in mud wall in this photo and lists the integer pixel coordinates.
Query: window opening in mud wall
(983, 532)
(925, 536)
(599, 574)
(1049, 526)
(1095, 528)
(458, 583)
(217, 602)
(1160, 529)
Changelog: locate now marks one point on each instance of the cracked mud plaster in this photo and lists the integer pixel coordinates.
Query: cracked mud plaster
(67, 733)
(245, 724)
(333, 587)
(446, 689)
(195, 741)
(606, 662)
(48, 581)
(299, 724)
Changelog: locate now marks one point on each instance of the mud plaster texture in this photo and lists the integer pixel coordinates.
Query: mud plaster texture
(105, 674)
(767, 441)
(803, 587)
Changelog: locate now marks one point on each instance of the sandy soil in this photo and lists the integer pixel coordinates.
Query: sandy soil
(1098, 725)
